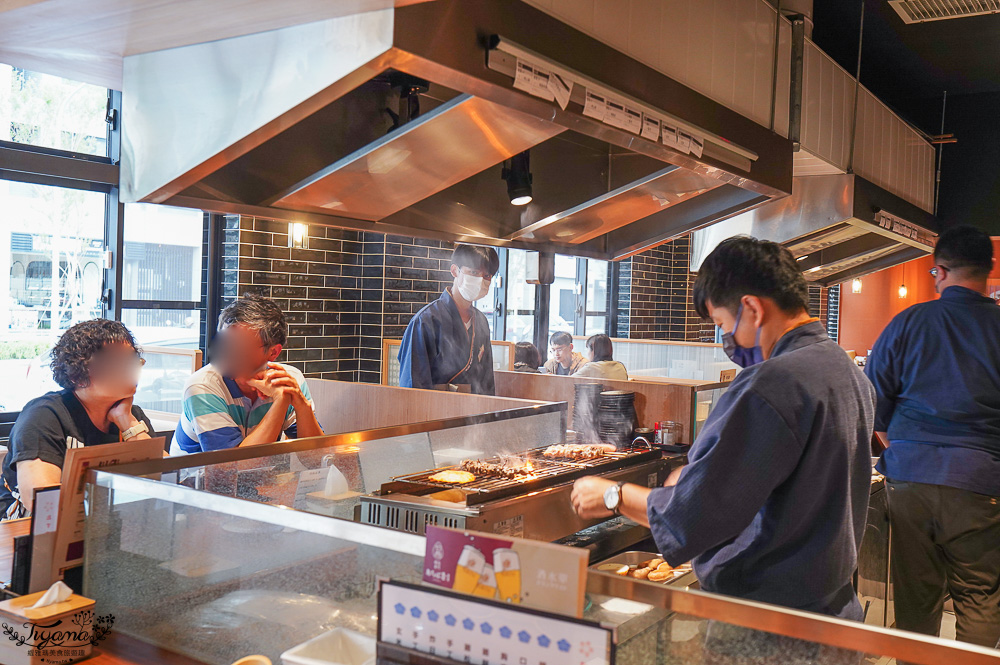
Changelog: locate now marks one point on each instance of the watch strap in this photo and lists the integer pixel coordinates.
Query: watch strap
(135, 430)
(621, 497)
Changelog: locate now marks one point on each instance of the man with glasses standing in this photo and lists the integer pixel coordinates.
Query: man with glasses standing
(243, 397)
(447, 344)
(936, 370)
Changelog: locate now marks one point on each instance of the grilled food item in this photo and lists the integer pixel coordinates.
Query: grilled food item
(577, 451)
(651, 563)
(641, 573)
(452, 477)
(657, 576)
(490, 469)
(664, 568)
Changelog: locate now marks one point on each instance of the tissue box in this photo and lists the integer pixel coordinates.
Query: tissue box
(59, 633)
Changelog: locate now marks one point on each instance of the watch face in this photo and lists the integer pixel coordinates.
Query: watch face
(611, 497)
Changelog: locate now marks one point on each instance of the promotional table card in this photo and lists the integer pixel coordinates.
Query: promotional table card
(513, 570)
(483, 632)
(69, 535)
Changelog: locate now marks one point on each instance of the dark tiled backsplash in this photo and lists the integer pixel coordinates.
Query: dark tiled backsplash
(341, 296)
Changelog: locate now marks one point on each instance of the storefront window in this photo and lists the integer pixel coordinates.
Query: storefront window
(52, 112)
(563, 296)
(597, 297)
(520, 299)
(52, 240)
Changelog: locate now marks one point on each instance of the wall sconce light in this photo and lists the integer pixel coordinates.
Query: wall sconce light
(298, 235)
(856, 285)
(902, 290)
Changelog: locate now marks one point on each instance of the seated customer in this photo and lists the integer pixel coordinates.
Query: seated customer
(565, 361)
(526, 358)
(601, 366)
(243, 397)
(97, 364)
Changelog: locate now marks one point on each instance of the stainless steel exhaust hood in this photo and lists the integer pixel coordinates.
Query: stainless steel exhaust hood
(399, 121)
(838, 226)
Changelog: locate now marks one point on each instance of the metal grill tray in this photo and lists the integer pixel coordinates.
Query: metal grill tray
(548, 471)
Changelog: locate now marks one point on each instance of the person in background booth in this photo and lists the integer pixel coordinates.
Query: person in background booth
(600, 364)
(526, 358)
(936, 371)
(97, 363)
(243, 397)
(565, 361)
(447, 344)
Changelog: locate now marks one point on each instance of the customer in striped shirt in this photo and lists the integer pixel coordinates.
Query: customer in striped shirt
(243, 397)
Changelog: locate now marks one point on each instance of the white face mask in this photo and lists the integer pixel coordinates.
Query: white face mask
(473, 288)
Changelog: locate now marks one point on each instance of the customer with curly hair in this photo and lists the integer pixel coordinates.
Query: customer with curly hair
(97, 364)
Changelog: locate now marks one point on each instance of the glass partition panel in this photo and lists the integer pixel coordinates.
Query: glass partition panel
(702, 362)
(328, 475)
(216, 578)
(664, 625)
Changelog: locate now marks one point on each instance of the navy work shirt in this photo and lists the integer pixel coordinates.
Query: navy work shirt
(936, 371)
(438, 349)
(773, 503)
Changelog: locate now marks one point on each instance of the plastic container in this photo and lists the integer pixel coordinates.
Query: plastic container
(337, 647)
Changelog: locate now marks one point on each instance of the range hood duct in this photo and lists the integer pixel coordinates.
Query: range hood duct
(400, 121)
(838, 227)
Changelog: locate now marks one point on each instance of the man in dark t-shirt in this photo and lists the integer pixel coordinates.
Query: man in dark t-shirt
(97, 363)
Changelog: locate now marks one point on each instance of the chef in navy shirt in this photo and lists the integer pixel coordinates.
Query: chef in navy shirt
(936, 370)
(773, 503)
(447, 344)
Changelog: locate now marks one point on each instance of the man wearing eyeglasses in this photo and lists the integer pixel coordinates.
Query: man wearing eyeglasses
(936, 370)
(447, 344)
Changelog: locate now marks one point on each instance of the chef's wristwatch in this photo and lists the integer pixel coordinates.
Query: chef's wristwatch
(613, 497)
(135, 430)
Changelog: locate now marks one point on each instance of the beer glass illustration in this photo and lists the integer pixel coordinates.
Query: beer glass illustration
(470, 567)
(508, 574)
(487, 587)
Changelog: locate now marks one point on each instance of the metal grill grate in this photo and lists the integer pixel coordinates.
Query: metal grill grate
(547, 471)
(921, 11)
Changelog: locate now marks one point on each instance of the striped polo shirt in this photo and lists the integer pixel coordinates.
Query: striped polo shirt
(217, 415)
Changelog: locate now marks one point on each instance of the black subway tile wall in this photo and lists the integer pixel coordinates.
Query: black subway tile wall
(657, 295)
(341, 296)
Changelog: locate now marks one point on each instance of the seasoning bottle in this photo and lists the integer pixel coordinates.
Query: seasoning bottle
(657, 433)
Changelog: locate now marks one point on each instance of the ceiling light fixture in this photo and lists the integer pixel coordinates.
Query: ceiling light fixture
(902, 290)
(856, 285)
(517, 173)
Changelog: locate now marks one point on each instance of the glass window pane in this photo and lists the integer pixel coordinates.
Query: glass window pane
(162, 253)
(173, 328)
(44, 230)
(562, 296)
(597, 296)
(596, 325)
(520, 299)
(52, 112)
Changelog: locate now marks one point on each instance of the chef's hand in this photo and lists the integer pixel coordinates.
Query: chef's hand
(121, 414)
(588, 497)
(673, 477)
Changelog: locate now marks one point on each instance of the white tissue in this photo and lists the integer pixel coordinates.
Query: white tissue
(56, 593)
(336, 483)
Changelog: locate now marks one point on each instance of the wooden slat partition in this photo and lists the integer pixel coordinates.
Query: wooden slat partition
(660, 399)
(342, 406)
